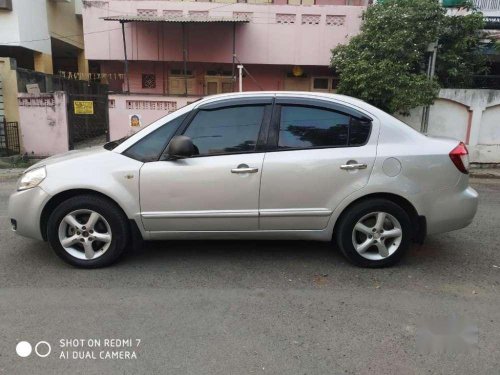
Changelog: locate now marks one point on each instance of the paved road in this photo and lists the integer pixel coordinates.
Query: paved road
(254, 307)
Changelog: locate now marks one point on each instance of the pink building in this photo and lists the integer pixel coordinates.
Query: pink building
(185, 49)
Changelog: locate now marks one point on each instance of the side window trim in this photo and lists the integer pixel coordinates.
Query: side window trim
(273, 135)
(264, 128)
(236, 102)
(323, 104)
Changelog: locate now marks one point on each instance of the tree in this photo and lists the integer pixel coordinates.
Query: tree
(460, 56)
(385, 64)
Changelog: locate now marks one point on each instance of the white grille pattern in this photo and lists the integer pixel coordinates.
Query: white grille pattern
(335, 20)
(168, 106)
(198, 14)
(172, 13)
(147, 12)
(243, 15)
(487, 4)
(285, 18)
(310, 19)
(37, 101)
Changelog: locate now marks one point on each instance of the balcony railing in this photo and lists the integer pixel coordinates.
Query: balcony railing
(487, 82)
(492, 23)
(487, 4)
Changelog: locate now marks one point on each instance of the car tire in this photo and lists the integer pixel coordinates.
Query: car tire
(106, 238)
(360, 224)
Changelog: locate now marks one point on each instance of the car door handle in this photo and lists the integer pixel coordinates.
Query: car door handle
(350, 167)
(244, 170)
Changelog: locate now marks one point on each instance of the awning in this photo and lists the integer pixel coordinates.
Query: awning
(177, 19)
(184, 22)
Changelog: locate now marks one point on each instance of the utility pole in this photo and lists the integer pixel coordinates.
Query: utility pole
(431, 70)
(240, 77)
(126, 59)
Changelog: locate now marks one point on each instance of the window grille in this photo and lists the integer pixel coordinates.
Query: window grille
(310, 19)
(335, 20)
(147, 12)
(286, 19)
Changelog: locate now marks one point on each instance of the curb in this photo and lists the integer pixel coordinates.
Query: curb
(485, 175)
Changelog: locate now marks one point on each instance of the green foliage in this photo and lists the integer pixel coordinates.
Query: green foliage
(386, 63)
(459, 56)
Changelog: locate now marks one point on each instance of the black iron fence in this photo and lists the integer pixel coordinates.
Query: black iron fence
(9, 139)
(90, 124)
(51, 82)
(487, 82)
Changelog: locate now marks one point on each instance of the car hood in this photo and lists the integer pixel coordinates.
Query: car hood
(70, 155)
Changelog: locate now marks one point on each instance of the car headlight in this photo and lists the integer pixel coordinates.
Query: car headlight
(31, 179)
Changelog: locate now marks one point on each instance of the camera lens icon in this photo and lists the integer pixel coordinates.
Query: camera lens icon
(42, 349)
(23, 349)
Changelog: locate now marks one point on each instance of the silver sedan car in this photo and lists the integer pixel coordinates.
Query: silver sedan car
(272, 165)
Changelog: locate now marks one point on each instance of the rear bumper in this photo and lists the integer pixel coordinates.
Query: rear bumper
(25, 207)
(451, 210)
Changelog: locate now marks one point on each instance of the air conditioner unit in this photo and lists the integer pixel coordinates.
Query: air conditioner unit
(177, 86)
(5, 4)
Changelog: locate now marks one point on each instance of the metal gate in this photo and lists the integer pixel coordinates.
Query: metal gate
(88, 123)
(9, 138)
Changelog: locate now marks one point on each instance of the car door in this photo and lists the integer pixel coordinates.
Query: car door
(218, 189)
(320, 152)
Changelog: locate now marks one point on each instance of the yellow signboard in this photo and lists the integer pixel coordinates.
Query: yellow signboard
(83, 107)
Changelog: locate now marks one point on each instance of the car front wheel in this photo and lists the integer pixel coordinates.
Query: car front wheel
(374, 233)
(88, 231)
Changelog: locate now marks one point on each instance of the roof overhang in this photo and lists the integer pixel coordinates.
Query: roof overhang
(178, 19)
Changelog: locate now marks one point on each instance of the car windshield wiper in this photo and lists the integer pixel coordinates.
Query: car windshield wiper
(111, 145)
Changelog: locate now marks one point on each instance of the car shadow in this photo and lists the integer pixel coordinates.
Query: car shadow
(275, 251)
(158, 251)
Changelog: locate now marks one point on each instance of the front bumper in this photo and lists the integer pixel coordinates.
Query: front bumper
(25, 207)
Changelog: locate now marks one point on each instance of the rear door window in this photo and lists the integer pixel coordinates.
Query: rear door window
(313, 127)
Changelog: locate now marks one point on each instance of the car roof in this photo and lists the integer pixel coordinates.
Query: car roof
(297, 94)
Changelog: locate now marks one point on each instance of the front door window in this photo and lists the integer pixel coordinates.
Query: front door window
(226, 130)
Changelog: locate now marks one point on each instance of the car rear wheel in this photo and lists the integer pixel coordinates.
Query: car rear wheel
(374, 233)
(88, 231)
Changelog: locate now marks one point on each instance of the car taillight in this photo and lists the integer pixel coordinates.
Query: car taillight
(460, 157)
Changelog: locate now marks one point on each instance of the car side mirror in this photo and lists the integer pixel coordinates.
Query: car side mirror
(180, 147)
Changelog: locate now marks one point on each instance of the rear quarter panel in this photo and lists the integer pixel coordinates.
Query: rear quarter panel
(426, 172)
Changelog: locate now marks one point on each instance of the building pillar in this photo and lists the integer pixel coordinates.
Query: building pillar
(475, 125)
(43, 62)
(83, 65)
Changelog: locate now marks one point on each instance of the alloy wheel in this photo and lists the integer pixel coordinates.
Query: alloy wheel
(377, 235)
(85, 234)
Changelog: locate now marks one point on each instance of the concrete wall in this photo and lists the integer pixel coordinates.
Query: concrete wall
(43, 123)
(63, 22)
(472, 116)
(26, 26)
(9, 80)
(148, 107)
(262, 41)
